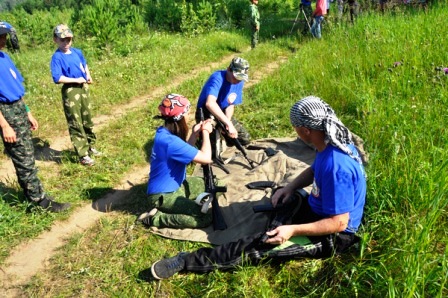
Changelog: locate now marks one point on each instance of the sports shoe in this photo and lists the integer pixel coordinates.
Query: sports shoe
(146, 217)
(95, 152)
(87, 161)
(168, 267)
(48, 204)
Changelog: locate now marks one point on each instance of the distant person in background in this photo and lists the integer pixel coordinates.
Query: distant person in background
(171, 193)
(326, 221)
(307, 10)
(383, 5)
(69, 67)
(318, 15)
(17, 122)
(340, 4)
(353, 7)
(219, 96)
(254, 22)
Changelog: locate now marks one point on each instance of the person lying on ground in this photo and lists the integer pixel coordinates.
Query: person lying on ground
(326, 221)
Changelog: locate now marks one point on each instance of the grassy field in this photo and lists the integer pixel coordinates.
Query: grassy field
(379, 75)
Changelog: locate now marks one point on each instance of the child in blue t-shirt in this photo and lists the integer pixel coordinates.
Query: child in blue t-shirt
(323, 225)
(16, 124)
(171, 193)
(69, 67)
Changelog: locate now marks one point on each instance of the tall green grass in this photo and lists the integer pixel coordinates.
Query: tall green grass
(399, 109)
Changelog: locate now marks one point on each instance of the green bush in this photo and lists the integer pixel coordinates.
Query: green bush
(105, 21)
(195, 23)
(36, 29)
(164, 14)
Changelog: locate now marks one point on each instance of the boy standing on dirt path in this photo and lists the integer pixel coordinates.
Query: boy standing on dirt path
(254, 22)
(16, 122)
(69, 67)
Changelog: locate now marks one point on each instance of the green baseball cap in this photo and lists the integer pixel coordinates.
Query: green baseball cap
(239, 68)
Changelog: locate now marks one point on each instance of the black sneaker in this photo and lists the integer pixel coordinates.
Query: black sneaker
(168, 267)
(48, 204)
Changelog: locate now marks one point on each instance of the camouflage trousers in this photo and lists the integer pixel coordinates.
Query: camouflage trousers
(22, 151)
(255, 37)
(178, 209)
(75, 98)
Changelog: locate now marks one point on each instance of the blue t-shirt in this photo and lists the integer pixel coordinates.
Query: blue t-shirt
(71, 65)
(169, 159)
(339, 186)
(226, 93)
(11, 82)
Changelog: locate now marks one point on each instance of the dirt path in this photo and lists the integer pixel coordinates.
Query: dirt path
(33, 256)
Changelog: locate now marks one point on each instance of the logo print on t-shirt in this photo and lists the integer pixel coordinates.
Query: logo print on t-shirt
(82, 67)
(231, 98)
(315, 190)
(13, 73)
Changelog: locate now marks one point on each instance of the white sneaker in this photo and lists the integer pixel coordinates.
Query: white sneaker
(95, 152)
(147, 216)
(87, 161)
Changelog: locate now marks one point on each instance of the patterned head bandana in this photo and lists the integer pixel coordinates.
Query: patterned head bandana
(312, 112)
(174, 107)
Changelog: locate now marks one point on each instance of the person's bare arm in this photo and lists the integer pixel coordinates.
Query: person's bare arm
(33, 122)
(67, 80)
(333, 224)
(9, 135)
(89, 77)
(303, 180)
(204, 155)
(214, 108)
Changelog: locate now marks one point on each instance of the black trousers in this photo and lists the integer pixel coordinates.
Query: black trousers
(251, 250)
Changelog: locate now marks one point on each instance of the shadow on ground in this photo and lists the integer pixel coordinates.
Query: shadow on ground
(132, 201)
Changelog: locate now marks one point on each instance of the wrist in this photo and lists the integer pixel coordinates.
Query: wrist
(4, 124)
(27, 109)
(204, 129)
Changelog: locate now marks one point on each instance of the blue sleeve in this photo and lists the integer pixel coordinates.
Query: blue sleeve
(213, 86)
(182, 151)
(337, 192)
(11, 82)
(80, 55)
(56, 67)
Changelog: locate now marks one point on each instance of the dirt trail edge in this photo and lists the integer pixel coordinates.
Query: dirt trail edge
(29, 258)
(59, 143)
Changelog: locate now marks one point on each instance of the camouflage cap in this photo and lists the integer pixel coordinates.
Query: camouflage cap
(5, 28)
(239, 67)
(62, 31)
